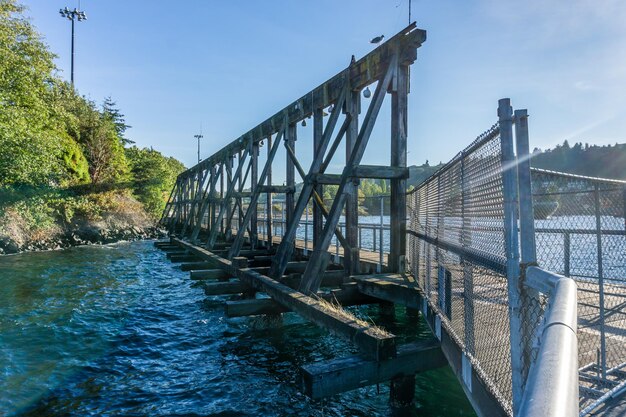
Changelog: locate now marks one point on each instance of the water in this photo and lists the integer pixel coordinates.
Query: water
(120, 331)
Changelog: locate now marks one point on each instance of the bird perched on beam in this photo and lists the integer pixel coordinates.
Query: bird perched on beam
(377, 39)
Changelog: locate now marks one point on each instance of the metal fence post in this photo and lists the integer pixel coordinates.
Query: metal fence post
(567, 244)
(511, 237)
(596, 194)
(380, 237)
(306, 229)
(530, 302)
(468, 270)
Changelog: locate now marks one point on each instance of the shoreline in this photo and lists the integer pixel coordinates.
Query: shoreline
(81, 237)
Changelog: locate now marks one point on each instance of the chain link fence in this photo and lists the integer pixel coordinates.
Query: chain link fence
(457, 248)
(580, 227)
(456, 251)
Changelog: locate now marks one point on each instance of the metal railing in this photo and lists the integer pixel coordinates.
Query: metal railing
(580, 226)
(471, 238)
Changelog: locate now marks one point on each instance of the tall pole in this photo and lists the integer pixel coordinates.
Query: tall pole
(72, 15)
(198, 137)
(72, 65)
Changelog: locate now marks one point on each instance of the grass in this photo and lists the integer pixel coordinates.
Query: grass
(334, 308)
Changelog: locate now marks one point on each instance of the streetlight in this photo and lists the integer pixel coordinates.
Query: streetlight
(73, 15)
(198, 137)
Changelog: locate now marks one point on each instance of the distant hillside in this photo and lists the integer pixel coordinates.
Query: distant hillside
(590, 160)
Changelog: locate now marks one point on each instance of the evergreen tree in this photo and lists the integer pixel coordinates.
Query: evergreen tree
(112, 113)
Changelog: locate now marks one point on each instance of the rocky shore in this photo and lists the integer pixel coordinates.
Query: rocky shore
(82, 236)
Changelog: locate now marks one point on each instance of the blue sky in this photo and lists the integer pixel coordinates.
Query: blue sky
(173, 67)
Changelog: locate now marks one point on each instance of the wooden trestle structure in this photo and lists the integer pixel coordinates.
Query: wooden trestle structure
(212, 217)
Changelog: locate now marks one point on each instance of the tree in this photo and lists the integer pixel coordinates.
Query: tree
(112, 113)
(153, 177)
(29, 152)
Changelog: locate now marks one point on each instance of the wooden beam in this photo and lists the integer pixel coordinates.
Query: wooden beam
(286, 247)
(318, 131)
(363, 72)
(254, 307)
(224, 288)
(396, 288)
(277, 189)
(352, 252)
(202, 274)
(399, 126)
(225, 203)
(190, 266)
(323, 379)
(183, 258)
(380, 171)
(346, 297)
(327, 179)
(290, 172)
(236, 247)
(319, 259)
(370, 340)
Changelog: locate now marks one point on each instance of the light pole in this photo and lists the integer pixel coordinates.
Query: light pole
(73, 15)
(198, 137)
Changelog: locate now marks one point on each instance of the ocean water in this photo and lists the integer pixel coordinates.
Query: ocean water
(118, 330)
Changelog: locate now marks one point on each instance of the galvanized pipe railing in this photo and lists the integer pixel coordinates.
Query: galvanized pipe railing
(551, 389)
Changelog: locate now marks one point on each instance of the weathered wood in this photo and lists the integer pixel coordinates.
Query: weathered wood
(253, 307)
(202, 274)
(169, 248)
(241, 308)
(380, 171)
(236, 247)
(225, 203)
(395, 288)
(277, 189)
(323, 379)
(369, 339)
(285, 249)
(190, 266)
(290, 173)
(318, 130)
(363, 72)
(399, 106)
(327, 179)
(182, 258)
(175, 252)
(254, 179)
(320, 257)
(351, 252)
(224, 288)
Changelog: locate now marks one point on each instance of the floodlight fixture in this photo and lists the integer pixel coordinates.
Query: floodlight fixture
(72, 15)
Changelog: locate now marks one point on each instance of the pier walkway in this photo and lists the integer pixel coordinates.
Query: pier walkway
(519, 273)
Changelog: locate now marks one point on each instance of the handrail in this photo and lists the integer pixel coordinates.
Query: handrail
(551, 389)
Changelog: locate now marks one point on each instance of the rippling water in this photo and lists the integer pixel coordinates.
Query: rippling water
(120, 331)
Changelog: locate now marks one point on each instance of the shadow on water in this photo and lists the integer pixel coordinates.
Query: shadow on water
(118, 330)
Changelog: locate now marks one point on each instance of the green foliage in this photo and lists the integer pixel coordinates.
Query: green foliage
(113, 114)
(594, 161)
(153, 177)
(30, 154)
(62, 156)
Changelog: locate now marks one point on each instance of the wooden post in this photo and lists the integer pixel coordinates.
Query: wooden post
(319, 258)
(351, 253)
(290, 175)
(399, 98)
(221, 225)
(239, 199)
(402, 391)
(253, 185)
(231, 186)
(318, 130)
(269, 212)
